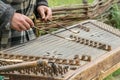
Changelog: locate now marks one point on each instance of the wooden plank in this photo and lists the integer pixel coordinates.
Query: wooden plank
(93, 69)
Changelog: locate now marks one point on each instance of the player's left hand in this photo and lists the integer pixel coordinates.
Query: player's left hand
(45, 12)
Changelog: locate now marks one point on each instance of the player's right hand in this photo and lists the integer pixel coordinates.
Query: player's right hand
(21, 22)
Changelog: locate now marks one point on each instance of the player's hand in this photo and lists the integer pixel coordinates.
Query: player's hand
(45, 12)
(21, 22)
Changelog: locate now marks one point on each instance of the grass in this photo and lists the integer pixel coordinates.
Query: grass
(115, 16)
(54, 3)
(116, 73)
(113, 75)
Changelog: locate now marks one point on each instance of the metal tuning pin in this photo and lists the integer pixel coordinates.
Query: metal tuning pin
(64, 61)
(66, 68)
(61, 71)
(71, 62)
(84, 28)
(71, 36)
(82, 41)
(50, 69)
(76, 57)
(109, 48)
(77, 60)
(86, 42)
(55, 69)
(78, 39)
(104, 47)
(95, 44)
(86, 58)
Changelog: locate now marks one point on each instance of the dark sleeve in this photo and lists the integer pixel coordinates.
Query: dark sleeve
(39, 3)
(42, 2)
(6, 13)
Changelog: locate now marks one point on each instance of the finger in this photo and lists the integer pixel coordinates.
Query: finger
(26, 24)
(29, 21)
(16, 27)
(49, 15)
(21, 26)
(42, 13)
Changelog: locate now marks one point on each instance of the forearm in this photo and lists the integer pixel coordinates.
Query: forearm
(6, 13)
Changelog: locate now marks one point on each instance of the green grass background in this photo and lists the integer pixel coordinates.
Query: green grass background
(53, 3)
(115, 16)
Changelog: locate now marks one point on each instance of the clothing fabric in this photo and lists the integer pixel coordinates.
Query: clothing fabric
(8, 36)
